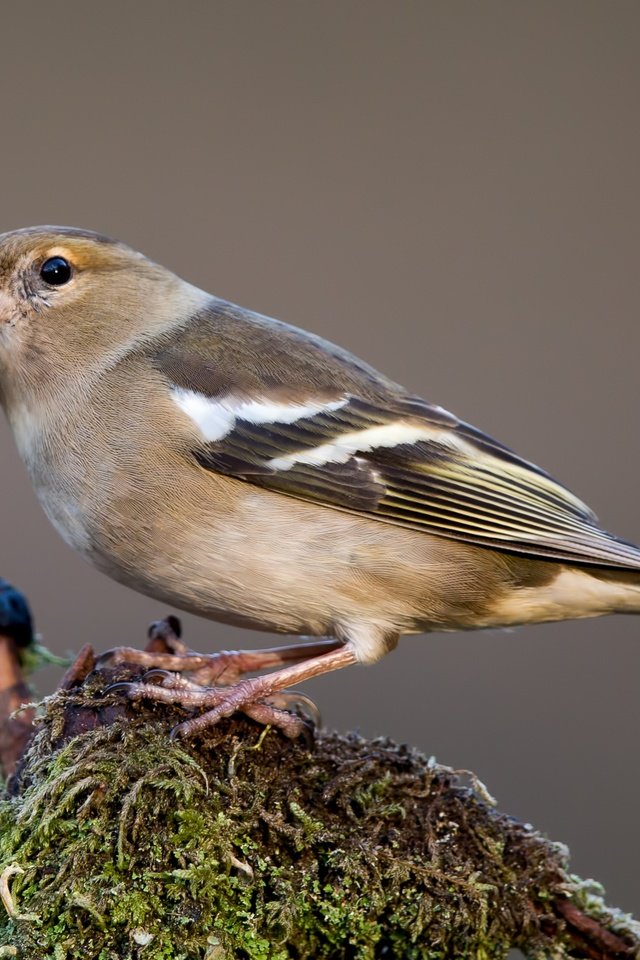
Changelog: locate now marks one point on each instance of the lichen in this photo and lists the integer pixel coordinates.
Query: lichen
(243, 845)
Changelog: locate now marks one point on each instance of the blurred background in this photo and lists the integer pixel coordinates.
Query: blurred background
(449, 189)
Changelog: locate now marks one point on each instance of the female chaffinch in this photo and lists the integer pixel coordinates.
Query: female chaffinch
(250, 472)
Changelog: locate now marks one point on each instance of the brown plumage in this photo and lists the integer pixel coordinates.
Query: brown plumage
(250, 472)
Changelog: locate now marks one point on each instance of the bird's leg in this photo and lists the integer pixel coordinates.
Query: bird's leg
(166, 651)
(249, 696)
(163, 647)
(225, 667)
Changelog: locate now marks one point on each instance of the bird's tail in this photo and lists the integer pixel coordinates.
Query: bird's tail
(618, 591)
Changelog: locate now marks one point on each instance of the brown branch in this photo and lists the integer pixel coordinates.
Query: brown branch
(402, 826)
(589, 937)
(80, 669)
(15, 728)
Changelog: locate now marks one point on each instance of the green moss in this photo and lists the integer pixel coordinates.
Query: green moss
(245, 845)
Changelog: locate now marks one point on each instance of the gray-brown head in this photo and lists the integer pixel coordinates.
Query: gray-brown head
(71, 298)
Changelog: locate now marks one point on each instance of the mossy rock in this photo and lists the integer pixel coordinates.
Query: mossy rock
(242, 844)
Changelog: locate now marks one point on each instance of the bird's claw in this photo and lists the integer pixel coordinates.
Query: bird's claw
(159, 677)
(169, 628)
(296, 704)
(121, 687)
(292, 713)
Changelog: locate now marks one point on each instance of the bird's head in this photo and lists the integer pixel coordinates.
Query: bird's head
(71, 299)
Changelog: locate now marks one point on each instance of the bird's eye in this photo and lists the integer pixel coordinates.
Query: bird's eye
(55, 271)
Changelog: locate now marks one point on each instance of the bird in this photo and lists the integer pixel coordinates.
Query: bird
(252, 473)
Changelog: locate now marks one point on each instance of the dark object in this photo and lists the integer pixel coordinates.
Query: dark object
(56, 271)
(16, 634)
(15, 616)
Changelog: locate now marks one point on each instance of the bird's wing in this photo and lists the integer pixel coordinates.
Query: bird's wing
(297, 416)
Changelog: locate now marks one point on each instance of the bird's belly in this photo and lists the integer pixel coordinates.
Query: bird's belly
(248, 573)
(224, 549)
(263, 560)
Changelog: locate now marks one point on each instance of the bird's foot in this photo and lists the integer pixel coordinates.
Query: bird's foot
(166, 651)
(290, 712)
(262, 698)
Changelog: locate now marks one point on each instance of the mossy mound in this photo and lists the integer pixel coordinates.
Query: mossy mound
(245, 845)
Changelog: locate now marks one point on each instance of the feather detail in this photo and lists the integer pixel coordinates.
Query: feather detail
(217, 417)
(303, 418)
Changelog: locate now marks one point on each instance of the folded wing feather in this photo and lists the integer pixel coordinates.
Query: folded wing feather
(416, 471)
